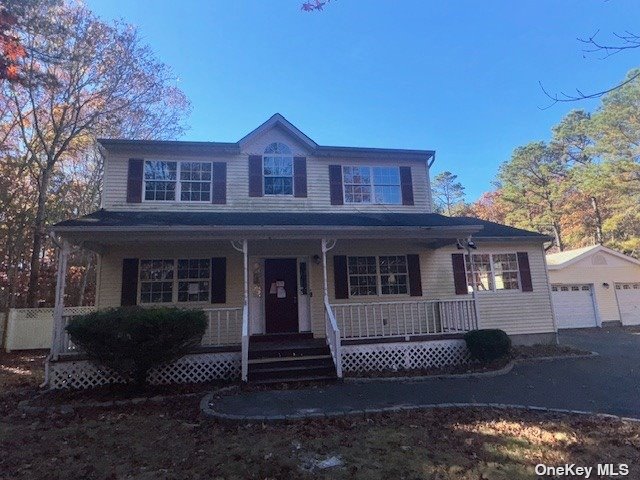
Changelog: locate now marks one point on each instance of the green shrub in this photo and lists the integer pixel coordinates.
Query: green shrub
(487, 345)
(133, 340)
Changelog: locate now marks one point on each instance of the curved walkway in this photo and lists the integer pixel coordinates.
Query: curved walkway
(609, 384)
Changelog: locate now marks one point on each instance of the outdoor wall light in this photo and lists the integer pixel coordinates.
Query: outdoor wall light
(316, 259)
(605, 285)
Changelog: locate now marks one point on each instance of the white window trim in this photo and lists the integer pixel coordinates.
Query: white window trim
(373, 186)
(293, 173)
(493, 274)
(175, 281)
(178, 182)
(379, 277)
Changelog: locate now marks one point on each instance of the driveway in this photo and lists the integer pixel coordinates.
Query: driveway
(609, 383)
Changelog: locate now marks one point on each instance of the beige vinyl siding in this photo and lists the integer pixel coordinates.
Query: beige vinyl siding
(318, 199)
(616, 270)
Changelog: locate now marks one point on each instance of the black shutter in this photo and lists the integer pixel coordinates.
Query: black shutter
(219, 186)
(525, 272)
(219, 280)
(340, 280)
(459, 274)
(255, 176)
(406, 185)
(335, 184)
(415, 279)
(129, 289)
(300, 176)
(134, 180)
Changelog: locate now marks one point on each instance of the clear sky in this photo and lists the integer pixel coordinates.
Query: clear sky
(457, 77)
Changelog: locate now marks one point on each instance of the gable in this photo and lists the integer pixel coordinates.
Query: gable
(603, 259)
(591, 257)
(256, 144)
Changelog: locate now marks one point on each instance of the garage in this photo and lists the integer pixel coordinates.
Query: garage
(573, 305)
(594, 286)
(628, 296)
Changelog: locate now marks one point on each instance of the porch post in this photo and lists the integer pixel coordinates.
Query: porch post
(325, 284)
(474, 283)
(57, 338)
(245, 251)
(245, 310)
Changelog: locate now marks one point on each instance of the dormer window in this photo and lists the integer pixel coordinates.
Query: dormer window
(277, 169)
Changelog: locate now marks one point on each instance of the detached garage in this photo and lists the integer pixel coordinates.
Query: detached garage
(594, 285)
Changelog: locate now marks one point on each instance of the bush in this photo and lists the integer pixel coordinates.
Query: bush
(487, 345)
(133, 340)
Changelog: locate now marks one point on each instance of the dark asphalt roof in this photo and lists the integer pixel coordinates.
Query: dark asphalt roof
(108, 218)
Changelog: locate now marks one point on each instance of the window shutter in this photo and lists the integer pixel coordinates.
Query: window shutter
(340, 280)
(459, 274)
(406, 185)
(300, 176)
(129, 289)
(415, 279)
(219, 183)
(335, 185)
(525, 272)
(134, 180)
(255, 175)
(219, 280)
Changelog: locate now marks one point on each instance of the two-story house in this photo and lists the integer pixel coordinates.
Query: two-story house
(309, 260)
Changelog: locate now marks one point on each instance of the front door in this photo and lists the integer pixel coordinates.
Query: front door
(281, 295)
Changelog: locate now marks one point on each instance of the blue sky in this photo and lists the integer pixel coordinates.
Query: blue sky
(458, 77)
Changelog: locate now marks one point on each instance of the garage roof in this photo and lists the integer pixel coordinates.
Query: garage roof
(557, 261)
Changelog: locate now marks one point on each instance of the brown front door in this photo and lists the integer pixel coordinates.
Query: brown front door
(281, 295)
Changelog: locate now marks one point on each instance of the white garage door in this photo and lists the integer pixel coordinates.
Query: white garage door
(573, 305)
(628, 295)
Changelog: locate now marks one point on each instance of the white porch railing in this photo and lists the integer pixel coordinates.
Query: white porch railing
(333, 336)
(403, 319)
(224, 328)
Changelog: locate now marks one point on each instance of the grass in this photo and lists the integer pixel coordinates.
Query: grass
(173, 441)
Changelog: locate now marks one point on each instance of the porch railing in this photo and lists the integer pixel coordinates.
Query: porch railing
(224, 326)
(333, 336)
(404, 319)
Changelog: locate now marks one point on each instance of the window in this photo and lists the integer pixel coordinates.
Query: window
(156, 281)
(182, 181)
(493, 272)
(195, 182)
(393, 274)
(380, 185)
(383, 275)
(277, 164)
(194, 276)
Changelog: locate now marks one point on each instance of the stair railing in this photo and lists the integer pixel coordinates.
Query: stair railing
(333, 336)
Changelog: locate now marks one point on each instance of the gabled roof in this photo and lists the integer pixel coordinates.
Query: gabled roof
(275, 121)
(560, 260)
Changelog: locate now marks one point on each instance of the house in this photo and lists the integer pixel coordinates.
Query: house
(309, 260)
(594, 285)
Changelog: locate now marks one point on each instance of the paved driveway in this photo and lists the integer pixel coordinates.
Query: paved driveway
(609, 383)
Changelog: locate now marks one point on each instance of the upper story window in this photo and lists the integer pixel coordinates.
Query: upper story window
(277, 165)
(171, 181)
(379, 185)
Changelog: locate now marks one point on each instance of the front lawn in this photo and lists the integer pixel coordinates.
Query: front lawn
(172, 440)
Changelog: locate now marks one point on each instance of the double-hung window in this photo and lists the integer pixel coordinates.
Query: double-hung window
(177, 181)
(493, 272)
(160, 279)
(382, 275)
(378, 185)
(277, 170)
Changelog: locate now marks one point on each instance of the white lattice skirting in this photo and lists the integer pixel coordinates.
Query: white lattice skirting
(194, 368)
(404, 355)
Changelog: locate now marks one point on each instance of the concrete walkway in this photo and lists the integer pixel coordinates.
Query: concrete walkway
(609, 383)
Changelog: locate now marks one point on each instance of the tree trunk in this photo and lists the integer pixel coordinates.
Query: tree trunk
(558, 236)
(598, 217)
(38, 237)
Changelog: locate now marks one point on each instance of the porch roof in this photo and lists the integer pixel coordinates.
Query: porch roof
(416, 225)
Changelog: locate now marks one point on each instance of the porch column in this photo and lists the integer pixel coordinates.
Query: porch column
(474, 284)
(326, 246)
(244, 249)
(57, 338)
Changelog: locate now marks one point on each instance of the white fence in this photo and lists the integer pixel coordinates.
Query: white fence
(404, 319)
(31, 328)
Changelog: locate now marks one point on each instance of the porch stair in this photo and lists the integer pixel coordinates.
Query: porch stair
(297, 357)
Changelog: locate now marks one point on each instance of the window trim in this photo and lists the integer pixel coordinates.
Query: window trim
(493, 274)
(178, 181)
(175, 281)
(379, 277)
(373, 185)
(293, 173)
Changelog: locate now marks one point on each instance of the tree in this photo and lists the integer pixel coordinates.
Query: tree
(104, 81)
(448, 192)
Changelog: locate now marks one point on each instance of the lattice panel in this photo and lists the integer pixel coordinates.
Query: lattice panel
(404, 356)
(193, 368)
